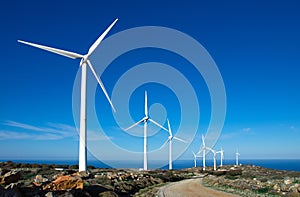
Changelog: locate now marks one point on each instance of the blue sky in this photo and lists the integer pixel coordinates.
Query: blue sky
(254, 44)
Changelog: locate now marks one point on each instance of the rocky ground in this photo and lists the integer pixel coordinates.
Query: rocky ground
(252, 180)
(52, 180)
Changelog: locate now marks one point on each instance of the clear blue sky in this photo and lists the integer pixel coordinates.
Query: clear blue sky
(255, 45)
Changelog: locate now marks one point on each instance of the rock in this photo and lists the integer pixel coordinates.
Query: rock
(284, 188)
(83, 175)
(3, 171)
(276, 187)
(64, 182)
(294, 194)
(108, 194)
(219, 172)
(234, 172)
(50, 194)
(95, 190)
(39, 180)
(65, 194)
(12, 186)
(10, 177)
(288, 181)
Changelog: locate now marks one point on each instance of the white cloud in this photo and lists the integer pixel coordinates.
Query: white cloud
(52, 131)
(247, 130)
(244, 131)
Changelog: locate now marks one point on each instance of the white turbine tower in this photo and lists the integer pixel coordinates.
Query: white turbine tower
(195, 159)
(203, 150)
(221, 156)
(145, 120)
(214, 153)
(83, 64)
(170, 138)
(237, 154)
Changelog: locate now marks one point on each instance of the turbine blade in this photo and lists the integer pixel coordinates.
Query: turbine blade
(203, 141)
(135, 124)
(146, 104)
(194, 154)
(169, 128)
(212, 150)
(200, 150)
(164, 144)
(54, 50)
(157, 124)
(101, 85)
(180, 139)
(101, 37)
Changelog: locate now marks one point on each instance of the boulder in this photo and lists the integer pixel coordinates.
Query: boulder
(10, 177)
(39, 180)
(234, 172)
(49, 194)
(13, 186)
(108, 194)
(288, 181)
(64, 182)
(95, 190)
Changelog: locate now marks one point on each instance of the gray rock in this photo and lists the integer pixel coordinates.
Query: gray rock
(10, 177)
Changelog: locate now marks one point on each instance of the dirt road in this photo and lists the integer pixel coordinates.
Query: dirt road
(190, 188)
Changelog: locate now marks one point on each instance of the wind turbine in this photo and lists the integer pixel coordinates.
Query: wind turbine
(195, 159)
(203, 150)
(215, 153)
(237, 158)
(145, 120)
(170, 138)
(83, 64)
(222, 156)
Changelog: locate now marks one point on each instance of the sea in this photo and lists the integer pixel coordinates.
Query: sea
(277, 164)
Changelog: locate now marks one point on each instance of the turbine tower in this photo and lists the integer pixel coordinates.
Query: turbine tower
(145, 120)
(215, 153)
(195, 159)
(83, 64)
(203, 150)
(237, 158)
(170, 138)
(221, 157)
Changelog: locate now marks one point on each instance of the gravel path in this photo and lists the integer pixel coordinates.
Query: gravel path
(190, 188)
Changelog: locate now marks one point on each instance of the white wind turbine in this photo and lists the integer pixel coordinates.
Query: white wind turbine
(170, 140)
(203, 150)
(195, 159)
(222, 156)
(83, 64)
(237, 154)
(214, 153)
(145, 120)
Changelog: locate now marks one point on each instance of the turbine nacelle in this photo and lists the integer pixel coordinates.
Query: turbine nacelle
(145, 119)
(84, 60)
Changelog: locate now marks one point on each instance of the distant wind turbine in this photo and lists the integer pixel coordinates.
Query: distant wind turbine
(222, 156)
(237, 154)
(145, 120)
(195, 159)
(83, 64)
(214, 153)
(203, 150)
(170, 139)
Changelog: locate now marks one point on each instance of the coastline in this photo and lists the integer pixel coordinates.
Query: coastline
(275, 164)
(42, 179)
